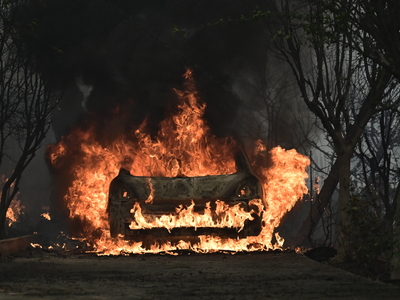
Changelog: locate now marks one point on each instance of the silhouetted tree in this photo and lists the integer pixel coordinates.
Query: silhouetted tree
(25, 104)
(377, 27)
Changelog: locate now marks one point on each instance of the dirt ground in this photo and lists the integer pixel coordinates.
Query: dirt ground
(261, 275)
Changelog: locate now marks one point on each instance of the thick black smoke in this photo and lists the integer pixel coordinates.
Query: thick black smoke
(133, 53)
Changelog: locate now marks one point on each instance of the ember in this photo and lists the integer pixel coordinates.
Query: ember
(183, 148)
(46, 215)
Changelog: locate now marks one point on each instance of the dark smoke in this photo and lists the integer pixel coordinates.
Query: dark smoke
(133, 53)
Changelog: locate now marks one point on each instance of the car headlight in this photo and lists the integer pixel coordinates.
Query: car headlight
(246, 189)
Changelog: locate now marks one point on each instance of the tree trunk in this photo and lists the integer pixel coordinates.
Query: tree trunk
(9, 190)
(339, 173)
(395, 261)
(318, 206)
(344, 198)
(3, 224)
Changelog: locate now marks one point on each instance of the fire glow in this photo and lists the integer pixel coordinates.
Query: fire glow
(14, 212)
(230, 217)
(184, 146)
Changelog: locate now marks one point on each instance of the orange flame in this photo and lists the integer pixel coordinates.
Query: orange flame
(14, 211)
(186, 217)
(46, 215)
(184, 147)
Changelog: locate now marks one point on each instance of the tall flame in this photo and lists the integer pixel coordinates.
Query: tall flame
(184, 146)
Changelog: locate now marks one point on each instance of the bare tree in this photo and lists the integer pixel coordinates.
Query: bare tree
(25, 104)
(378, 27)
(379, 163)
(375, 183)
(327, 67)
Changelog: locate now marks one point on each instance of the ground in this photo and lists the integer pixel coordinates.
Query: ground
(259, 275)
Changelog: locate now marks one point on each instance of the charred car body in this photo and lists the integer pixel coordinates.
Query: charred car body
(155, 197)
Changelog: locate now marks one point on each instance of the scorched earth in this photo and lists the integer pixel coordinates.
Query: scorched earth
(258, 275)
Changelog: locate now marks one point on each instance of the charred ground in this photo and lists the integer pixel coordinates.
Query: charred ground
(38, 273)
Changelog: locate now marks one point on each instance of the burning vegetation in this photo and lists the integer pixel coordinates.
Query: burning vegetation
(14, 211)
(183, 150)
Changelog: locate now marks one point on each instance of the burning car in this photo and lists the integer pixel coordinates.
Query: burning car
(228, 205)
(183, 188)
